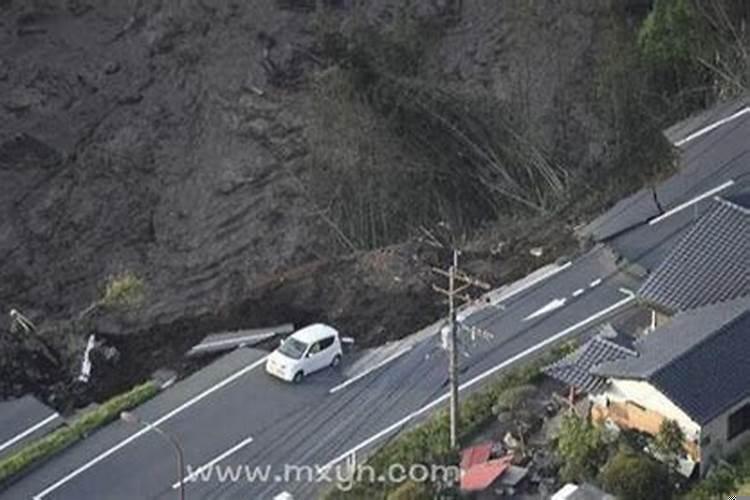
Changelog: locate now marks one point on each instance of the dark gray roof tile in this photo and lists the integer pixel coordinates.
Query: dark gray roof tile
(710, 264)
(700, 360)
(575, 368)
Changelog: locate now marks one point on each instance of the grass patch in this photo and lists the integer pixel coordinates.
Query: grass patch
(78, 429)
(429, 442)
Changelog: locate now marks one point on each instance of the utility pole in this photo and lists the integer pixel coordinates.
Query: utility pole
(455, 275)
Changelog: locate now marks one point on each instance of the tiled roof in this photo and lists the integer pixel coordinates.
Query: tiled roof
(700, 360)
(575, 369)
(710, 264)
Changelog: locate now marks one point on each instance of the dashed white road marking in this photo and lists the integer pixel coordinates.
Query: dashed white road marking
(503, 297)
(551, 306)
(393, 427)
(144, 430)
(578, 292)
(194, 474)
(683, 206)
(596, 282)
(28, 431)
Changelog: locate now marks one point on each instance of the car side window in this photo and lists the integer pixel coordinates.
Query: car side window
(326, 343)
(314, 349)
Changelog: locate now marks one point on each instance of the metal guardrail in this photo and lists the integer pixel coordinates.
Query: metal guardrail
(219, 342)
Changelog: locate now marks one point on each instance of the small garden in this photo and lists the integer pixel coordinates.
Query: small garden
(429, 442)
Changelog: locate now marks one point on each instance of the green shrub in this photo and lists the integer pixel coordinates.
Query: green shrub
(410, 490)
(719, 484)
(633, 476)
(670, 33)
(63, 437)
(123, 290)
(582, 448)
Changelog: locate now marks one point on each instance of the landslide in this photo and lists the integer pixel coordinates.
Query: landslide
(271, 161)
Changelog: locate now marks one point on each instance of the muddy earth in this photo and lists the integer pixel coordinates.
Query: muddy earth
(185, 141)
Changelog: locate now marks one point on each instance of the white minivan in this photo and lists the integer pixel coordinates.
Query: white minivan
(305, 351)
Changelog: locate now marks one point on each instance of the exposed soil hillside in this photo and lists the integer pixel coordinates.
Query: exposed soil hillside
(211, 148)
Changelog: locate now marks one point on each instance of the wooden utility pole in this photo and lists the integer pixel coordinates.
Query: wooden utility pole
(455, 275)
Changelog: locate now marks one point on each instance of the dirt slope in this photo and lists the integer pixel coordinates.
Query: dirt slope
(173, 139)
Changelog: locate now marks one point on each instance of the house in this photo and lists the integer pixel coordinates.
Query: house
(574, 370)
(694, 370)
(481, 467)
(708, 265)
(693, 364)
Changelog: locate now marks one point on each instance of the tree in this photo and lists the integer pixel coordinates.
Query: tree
(670, 442)
(632, 476)
(719, 484)
(514, 403)
(581, 447)
(122, 290)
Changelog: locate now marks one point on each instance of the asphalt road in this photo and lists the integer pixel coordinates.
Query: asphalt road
(22, 420)
(236, 415)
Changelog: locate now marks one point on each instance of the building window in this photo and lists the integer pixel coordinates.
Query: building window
(739, 421)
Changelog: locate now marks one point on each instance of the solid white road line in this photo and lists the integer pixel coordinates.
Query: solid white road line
(688, 203)
(554, 304)
(693, 201)
(28, 431)
(713, 126)
(482, 376)
(578, 292)
(533, 282)
(141, 432)
(199, 470)
(371, 369)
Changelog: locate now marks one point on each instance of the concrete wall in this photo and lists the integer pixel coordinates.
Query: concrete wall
(716, 432)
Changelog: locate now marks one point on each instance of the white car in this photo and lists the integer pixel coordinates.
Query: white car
(305, 351)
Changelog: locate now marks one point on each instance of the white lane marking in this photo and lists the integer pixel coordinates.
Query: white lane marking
(28, 431)
(371, 369)
(191, 477)
(578, 292)
(480, 377)
(533, 282)
(693, 201)
(713, 126)
(554, 304)
(596, 282)
(144, 430)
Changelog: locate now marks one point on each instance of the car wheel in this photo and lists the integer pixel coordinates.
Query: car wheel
(298, 377)
(335, 361)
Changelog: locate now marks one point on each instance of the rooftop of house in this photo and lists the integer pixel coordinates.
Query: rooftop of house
(710, 263)
(700, 360)
(575, 368)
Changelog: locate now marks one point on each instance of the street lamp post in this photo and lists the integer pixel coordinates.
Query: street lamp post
(132, 418)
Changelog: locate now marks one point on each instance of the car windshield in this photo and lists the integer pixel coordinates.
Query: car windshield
(293, 348)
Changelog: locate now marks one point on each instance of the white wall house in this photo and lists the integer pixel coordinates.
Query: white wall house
(695, 370)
